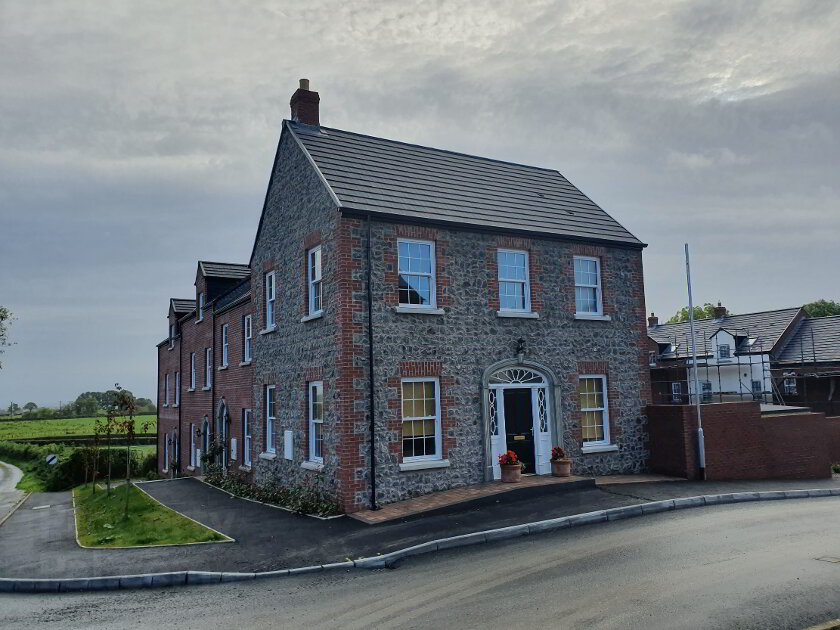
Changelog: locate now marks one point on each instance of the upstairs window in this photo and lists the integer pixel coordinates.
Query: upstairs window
(248, 335)
(416, 273)
(789, 383)
(706, 391)
(314, 274)
(166, 390)
(200, 307)
(316, 420)
(177, 388)
(588, 286)
(514, 286)
(676, 392)
(594, 421)
(192, 370)
(724, 351)
(270, 300)
(652, 359)
(225, 345)
(171, 335)
(208, 367)
(270, 419)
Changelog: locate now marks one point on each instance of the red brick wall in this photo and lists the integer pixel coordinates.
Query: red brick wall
(168, 416)
(740, 442)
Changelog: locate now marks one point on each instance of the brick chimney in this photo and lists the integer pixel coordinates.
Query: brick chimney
(719, 311)
(653, 320)
(304, 104)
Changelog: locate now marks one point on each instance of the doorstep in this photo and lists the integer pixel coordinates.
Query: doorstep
(618, 480)
(472, 496)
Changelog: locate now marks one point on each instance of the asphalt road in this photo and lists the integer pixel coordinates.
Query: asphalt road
(9, 497)
(740, 566)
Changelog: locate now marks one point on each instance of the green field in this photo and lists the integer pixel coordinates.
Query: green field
(101, 522)
(23, 429)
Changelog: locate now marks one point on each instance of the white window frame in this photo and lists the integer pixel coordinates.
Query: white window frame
(605, 416)
(247, 418)
(652, 358)
(225, 345)
(270, 293)
(177, 388)
(433, 275)
(757, 395)
(192, 371)
(192, 444)
(165, 452)
(314, 276)
(724, 353)
(313, 421)
(706, 391)
(166, 389)
(789, 384)
(599, 294)
(201, 305)
(438, 437)
(526, 284)
(208, 367)
(270, 420)
(248, 334)
(676, 391)
(171, 335)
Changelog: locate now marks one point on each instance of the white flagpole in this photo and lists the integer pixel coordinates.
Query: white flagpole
(701, 445)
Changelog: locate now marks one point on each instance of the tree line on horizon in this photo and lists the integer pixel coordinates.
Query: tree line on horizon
(819, 308)
(86, 405)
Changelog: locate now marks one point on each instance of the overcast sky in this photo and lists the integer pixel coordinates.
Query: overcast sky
(137, 138)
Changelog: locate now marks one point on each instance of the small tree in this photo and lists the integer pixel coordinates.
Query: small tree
(30, 406)
(5, 319)
(127, 407)
(822, 308)
(707, 311)
(13, 408)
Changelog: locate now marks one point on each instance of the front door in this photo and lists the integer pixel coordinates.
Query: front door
(519, 425)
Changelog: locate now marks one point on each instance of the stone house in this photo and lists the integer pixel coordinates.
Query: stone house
(418, 312)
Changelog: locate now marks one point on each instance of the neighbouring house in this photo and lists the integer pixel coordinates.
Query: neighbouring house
(808, 368)
(416, 313)
(735, 355)
(205, 376)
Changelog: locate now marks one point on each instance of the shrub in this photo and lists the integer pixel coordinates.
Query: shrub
(297, 499)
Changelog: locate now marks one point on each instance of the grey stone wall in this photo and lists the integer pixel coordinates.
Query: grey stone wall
(299, 210)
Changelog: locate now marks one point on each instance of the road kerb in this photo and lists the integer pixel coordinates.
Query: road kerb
(151, 580)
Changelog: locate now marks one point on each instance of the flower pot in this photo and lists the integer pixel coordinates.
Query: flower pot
(561, 467)
(511, 473)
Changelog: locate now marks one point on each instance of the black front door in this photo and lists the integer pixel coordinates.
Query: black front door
(519, 426)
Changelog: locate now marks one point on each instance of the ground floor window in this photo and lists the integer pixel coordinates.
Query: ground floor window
(676, 392)
(246, 437)
(166, 452)
(706, 391)
(594, 420)
(790, 383)
(421, 418)
(316, 420)
(192, 445)
(270, 418)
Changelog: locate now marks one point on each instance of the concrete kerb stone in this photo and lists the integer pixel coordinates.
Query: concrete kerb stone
(208, 577)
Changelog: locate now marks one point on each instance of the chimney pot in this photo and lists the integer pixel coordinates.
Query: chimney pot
(653, 320)
(305, 105)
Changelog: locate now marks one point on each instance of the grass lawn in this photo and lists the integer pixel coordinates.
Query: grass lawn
(100, 522)
(22, 429)
(31, 480)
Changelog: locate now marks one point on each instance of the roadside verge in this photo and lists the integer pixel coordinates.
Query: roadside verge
(177, 578)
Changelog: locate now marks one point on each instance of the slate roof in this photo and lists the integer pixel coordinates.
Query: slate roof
(234, 295)
(765, 328)
(817, 338)
(387, 177)
(181, 306)
(235, 271)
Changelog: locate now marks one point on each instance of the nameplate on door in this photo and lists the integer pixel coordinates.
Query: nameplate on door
(518, 437)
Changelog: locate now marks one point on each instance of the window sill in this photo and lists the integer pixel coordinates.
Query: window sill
(198, 321)
(190, 389)
(266, 331)
(222, 367)
(419, 310)
(309, 318)
(176, 405)
(518, 314)
(427, 464)
(164, 405)
(593, 318)
(245, 469)
(244, 363)
(600, 448)
(191, 468)
(268, 456)
(316, 466)
(205, 389)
